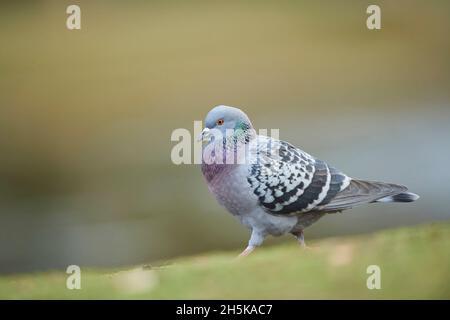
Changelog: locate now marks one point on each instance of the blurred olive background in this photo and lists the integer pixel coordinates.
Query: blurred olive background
(86, 117)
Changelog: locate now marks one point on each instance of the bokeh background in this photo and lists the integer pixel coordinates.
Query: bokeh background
(86, 117)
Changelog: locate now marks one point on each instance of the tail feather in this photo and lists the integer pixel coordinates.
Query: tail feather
(401, 197)
(362, 191)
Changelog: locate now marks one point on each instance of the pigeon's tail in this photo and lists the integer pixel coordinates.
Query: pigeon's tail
(361, 191)
(401, 197)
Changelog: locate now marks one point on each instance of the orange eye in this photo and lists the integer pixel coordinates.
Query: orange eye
(219, 122)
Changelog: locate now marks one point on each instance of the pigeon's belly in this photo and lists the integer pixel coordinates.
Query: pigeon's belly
(233, 191)
(267, 223)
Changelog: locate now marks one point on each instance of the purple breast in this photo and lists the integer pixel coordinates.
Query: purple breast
(212, 170)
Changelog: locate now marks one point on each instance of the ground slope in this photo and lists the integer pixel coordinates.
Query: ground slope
(414, 263)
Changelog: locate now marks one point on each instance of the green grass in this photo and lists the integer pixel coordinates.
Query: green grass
(414, 262)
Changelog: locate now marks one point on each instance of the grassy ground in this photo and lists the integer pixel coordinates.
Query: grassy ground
(414, 262)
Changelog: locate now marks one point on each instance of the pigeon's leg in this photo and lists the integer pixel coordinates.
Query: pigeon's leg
(300, 238)
(256, 239)
(247, 251)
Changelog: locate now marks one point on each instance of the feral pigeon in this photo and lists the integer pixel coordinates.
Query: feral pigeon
(271, 186)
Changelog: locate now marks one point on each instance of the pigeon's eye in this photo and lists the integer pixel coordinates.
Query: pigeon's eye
(219, 122)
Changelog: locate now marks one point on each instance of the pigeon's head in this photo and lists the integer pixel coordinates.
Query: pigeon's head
(228, 122)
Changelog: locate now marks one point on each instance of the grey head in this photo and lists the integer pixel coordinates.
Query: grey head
(229, 120)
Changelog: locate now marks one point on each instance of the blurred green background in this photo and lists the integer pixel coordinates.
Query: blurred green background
(86, 117)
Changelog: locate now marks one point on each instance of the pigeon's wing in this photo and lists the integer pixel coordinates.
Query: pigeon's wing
(288, 181)
(362, 192)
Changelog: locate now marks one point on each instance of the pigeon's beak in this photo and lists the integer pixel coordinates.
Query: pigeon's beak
(205, 135)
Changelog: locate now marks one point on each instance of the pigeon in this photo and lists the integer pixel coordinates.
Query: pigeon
(273, 187)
